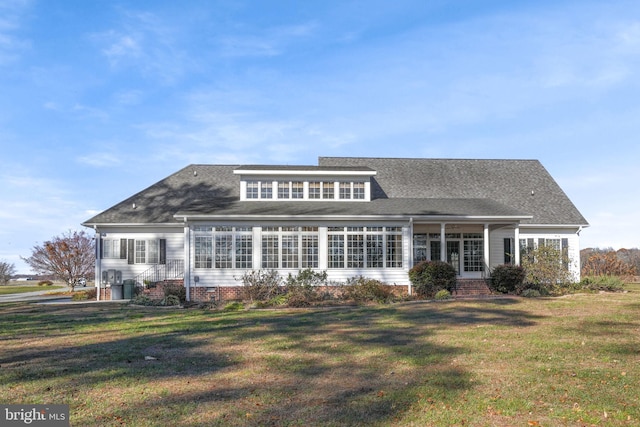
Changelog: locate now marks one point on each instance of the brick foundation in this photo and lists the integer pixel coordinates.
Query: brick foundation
(105, 294)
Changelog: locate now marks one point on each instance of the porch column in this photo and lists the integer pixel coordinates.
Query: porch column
(486, 249)
(443, 246)
(516, 243)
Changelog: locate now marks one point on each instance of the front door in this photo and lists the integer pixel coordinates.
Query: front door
(453, 254)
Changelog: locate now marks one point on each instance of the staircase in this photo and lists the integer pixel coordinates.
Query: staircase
(471, 287)
(173, 269)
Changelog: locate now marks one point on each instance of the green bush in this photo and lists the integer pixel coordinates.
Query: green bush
(261, 285)
(234, 306)
(507, 278)
(602, 283)
(176, 290)
(79, 296)
(141, 300)
(443, 294)
(45, 283)
(170, 300)
(530, 293)
(361, 290)
(428, 277)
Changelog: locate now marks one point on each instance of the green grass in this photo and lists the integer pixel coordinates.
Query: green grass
(496, 362)
(19, 289)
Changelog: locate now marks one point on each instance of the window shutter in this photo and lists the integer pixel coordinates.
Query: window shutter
(123, 248)
(99, 251)
(131, 251)
(508, 251)
(163, 251)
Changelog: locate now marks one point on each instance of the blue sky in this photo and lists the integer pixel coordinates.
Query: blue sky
(100, 99)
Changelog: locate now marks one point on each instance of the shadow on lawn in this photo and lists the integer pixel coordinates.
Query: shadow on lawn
(354, 366)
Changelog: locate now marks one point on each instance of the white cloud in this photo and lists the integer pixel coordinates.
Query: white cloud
(11, 16)
(144, 42)
(269, 42)
(101, 159)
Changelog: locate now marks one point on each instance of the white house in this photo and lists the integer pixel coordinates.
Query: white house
(207, 225)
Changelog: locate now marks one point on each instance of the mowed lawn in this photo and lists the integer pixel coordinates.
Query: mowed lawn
(569, 361)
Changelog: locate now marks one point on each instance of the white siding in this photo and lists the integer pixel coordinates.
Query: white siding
(174, 248)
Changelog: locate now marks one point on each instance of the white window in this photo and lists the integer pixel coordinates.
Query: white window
(314, 190)
(364, 247)
(345, 190)
(111, 248)
(147, 251)
(252, 189)
(358, 190)
(223, 247)
(266, 190)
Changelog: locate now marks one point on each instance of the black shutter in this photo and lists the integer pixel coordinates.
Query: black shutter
(99, 251)
(565, 253)
(508, 251)
(123, 248)
(131, 251)
(163, 251)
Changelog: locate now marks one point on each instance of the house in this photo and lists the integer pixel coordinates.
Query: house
(207, 225)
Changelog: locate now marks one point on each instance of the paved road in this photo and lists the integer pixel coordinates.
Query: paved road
(37, 296)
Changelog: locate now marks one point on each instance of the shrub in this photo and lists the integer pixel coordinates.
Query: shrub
(546, 268)
(443, 294)
(261, 285)
(170, 300)
(530, 293)
(45, 283)
(305, 288)
(602, 283)
(79, 296)
(507, 278)
(428, 277)
(177, 290)
(141, 300)
(233, 306)
(361, 289)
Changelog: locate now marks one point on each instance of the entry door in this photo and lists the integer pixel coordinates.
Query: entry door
(453, 254)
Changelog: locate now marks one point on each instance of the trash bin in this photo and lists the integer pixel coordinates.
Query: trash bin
(128, 285)
(116, 292)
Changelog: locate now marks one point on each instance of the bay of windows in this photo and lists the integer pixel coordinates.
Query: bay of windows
(312, 190)
(223, 247)
(290, 247)
(364, 247)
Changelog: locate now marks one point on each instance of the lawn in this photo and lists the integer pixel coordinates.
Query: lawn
(572, 361)
(20, 289)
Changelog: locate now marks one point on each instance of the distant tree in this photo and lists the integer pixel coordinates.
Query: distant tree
(608, 264)
(6, 271)
(68, 257)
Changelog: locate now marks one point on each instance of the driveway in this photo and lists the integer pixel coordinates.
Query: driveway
(35, 296)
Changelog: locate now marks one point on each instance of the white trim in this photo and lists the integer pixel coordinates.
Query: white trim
(269, 172)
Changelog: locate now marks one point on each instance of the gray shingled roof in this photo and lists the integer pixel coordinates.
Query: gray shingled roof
(510, 182)
(490, 188)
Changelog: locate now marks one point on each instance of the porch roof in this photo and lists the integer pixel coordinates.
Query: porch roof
(446, 208)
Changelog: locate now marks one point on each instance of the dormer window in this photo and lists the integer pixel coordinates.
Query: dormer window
(304, 183)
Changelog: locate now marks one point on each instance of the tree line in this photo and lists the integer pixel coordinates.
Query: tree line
(610, 262)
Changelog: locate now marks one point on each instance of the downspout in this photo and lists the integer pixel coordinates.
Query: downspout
(410, 289)
(98, 267)
(187, 260)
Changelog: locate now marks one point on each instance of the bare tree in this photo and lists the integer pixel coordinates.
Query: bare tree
(68, 257)
(6, 271)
